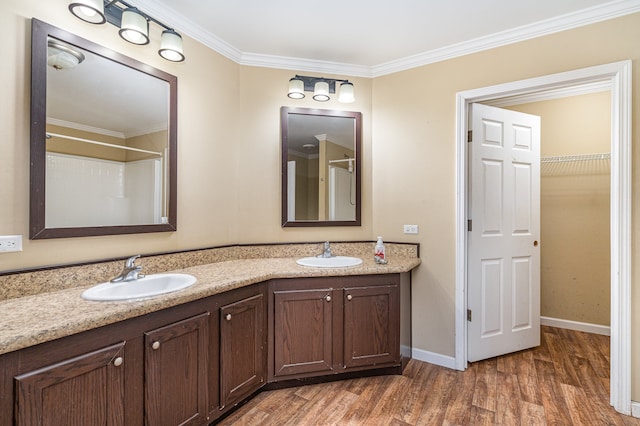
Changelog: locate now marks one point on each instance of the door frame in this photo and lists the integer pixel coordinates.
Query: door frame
(618, 77)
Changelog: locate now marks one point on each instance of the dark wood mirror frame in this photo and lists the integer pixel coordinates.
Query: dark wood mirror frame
(40, 31)
(285, 112)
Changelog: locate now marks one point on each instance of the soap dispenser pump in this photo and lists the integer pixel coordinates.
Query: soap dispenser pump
(379, 252)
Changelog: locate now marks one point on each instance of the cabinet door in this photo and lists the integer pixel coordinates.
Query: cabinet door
(175, 372)
(85, 390)
(302, 331)
(242, 331)
(371, 321)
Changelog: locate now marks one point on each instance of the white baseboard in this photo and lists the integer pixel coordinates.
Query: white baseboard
(434, 358)
(576, 325)
(635, 409)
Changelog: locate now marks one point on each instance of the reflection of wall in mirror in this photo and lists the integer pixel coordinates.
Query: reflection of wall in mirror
(155, 141)
(71, 147)
(96, 185)
(83, 191)
(329, 151)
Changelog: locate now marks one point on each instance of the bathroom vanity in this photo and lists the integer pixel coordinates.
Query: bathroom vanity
(193, 362)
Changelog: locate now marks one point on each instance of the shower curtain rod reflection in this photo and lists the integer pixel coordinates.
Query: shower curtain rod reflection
(350, 160)
(111, 145)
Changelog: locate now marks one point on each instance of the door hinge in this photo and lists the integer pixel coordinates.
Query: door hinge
(469, 135)
(469, 225)
(469, 315)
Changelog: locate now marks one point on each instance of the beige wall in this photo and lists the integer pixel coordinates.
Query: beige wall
(414, 112)
(229, 152)
(574, 208)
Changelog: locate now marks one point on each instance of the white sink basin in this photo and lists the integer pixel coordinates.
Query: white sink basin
(150, 285)
(329, 262)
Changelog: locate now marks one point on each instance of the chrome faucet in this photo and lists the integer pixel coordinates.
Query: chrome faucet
(327, 251)
(130, 272)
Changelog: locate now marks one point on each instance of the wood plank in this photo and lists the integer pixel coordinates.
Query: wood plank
(508, 408)
(555, 384)
(485, 392)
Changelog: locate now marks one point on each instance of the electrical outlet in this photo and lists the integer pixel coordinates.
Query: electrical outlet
(10, 243)
(410, 229)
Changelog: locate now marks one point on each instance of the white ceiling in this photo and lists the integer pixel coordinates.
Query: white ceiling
(370, 37)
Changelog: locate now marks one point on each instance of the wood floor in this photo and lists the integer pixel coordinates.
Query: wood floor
(565, 381)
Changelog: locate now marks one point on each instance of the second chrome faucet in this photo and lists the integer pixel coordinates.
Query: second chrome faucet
(326, 252)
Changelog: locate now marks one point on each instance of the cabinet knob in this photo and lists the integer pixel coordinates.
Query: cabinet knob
(228, 317)
(327, 298)
(155, 345)
(118, 361)
(349, 297)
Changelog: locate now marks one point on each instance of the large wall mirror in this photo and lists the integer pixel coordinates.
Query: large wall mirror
(321, 167)
(103, 140)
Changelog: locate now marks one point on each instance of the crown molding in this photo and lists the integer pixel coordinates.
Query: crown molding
(300, 64)
(568, 21)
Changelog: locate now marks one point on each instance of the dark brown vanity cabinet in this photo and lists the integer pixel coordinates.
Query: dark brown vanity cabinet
(175, 372)
(371, 325)
(242, 348)
(332, 325)
(192, 363)
(187, 365)
(302, 328)
(83, 390)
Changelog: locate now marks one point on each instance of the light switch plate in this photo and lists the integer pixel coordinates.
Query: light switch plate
(410, 229)
(10, 243)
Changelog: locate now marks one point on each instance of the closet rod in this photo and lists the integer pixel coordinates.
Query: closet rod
(580, 157)
(111, 145)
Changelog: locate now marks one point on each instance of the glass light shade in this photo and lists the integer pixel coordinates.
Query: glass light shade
(321, 91)
(171, 46)
(134, 27)
(91, 11)
(347, 94)
(296, 88)
(62, 57)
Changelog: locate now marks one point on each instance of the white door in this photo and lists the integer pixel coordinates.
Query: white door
(503, 289)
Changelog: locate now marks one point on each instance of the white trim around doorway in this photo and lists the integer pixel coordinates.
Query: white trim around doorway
(618, 76)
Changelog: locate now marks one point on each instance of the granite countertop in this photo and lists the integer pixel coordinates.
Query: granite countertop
(30, 320)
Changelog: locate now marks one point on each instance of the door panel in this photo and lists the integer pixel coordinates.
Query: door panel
(85, 390)
(303, 321)
(504, 259)
(241, 349)
(371, 314)
(175, 372)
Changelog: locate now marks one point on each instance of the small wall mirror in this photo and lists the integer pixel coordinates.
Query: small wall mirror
(103, 140)
(321, 167)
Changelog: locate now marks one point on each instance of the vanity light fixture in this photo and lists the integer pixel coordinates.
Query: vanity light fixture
(347, 94)
(91, 11)
(321, 91)
(134, 27)
(321, 88)
(133, 24)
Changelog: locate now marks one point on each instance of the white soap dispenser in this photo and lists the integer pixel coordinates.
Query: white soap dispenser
(379, 252)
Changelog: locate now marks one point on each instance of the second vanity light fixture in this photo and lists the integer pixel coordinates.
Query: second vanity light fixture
(321, 88)
(133, 24)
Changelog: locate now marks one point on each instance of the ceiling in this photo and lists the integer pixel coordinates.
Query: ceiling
(369, 38)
